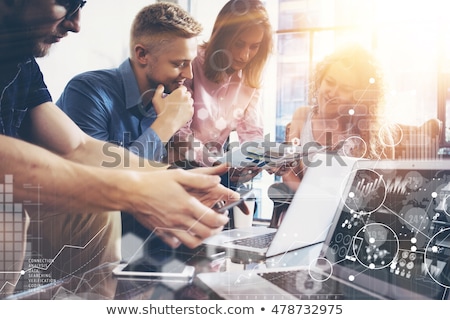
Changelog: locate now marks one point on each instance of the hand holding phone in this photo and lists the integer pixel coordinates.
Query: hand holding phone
(240, 203)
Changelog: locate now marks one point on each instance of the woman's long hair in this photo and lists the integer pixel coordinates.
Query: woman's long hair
(234, 18)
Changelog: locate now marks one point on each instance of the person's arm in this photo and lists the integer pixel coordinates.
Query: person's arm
(293, 176)
(297, 122)
(87, 102)
(249, 129)
(63, 185)
(183, 145)
(90, 100)
(173, 111)
(55, 183)
(147, 194)
(251, 126)
(60, 185)
(55, 131)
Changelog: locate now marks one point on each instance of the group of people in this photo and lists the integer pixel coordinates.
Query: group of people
(146, 106)
(100, 154)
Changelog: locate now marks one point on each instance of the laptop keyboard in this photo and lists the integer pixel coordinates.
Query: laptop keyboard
(260, 241)
(300, 284)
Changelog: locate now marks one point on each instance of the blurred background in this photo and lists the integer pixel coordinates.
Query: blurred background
(410, 38)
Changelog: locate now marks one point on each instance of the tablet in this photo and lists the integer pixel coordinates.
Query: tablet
(145, 269)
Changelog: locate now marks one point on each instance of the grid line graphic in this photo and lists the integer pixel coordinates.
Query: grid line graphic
(11, 233)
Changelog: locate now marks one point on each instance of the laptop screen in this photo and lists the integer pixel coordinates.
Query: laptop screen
(392, 231)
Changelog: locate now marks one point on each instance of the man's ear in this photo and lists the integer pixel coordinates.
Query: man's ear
(141, 54)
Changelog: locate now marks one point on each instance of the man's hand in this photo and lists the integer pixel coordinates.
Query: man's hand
(243, 174)
(177, 151)
(180, 206)
(174, 110)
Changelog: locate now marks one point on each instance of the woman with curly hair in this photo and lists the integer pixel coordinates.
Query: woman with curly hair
(347, 106)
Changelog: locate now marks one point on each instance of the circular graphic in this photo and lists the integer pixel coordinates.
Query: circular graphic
(438, 246)
(375, 246)
(321, 269)
(367, 193)
(143, 106)
(225, 58)
(414, 180)
(390, 130)
(416, 219)
(444, 203)
(347, 239)
(354, 146)
(240, 7)
(334, 249)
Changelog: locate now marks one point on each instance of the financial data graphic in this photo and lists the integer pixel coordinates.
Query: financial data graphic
(21, 267)
(395, 228)
(11, 235)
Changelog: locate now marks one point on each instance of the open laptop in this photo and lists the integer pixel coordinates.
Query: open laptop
(390, 239)
(305, 222)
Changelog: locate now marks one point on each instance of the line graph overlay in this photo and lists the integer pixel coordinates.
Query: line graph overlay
(12, 235)
(20, 268)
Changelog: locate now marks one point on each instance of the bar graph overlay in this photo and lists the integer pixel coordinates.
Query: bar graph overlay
(11, 236)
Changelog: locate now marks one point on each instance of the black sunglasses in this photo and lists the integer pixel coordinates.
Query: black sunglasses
(72, 6)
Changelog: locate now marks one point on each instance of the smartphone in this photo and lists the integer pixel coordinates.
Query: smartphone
(248, 194)
(143, 269)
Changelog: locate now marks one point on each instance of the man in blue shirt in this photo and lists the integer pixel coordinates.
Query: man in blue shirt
(143, 102)
(79, 188)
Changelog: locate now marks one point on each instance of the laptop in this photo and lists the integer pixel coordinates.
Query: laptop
(390, 239)
(305, 222)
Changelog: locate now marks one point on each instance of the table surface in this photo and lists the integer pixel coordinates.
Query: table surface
(101, 284)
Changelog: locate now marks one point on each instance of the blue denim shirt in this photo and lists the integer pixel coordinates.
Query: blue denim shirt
(22, 88)
(106, 105)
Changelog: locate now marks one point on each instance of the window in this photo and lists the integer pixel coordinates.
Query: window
(444, 88)
(407, 37)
